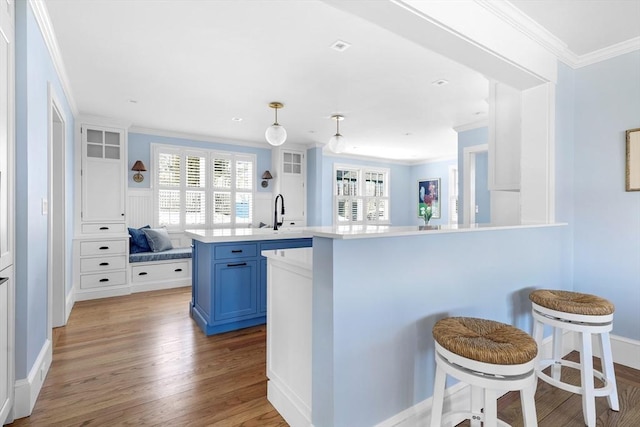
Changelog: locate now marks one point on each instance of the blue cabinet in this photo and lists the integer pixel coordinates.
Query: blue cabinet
(229, 283)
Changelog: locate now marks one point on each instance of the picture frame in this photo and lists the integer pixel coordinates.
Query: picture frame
(632, 169)
(429, 188)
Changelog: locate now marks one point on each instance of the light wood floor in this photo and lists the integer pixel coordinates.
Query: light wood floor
(140, 360)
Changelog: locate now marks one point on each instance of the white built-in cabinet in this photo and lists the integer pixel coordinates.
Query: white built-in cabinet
(7, 224)
(101, 240)
(290, 177)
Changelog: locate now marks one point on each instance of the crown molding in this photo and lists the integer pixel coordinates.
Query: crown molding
(506, 11)
(608, 52)
(197, 137)
(46, 28)
(473, 125)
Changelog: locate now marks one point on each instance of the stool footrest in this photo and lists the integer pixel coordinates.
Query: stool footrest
(605, 390)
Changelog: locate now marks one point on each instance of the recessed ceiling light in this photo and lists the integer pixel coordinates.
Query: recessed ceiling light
(440, 82)
(479, 113)
(340, 45)
(133, 101)
(408, 134)
(312, 131)
(236, 119)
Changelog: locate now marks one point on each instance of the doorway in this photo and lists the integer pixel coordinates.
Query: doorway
(475, 188)
(57, 274)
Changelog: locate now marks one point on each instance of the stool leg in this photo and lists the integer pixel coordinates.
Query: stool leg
(557, 353)
(586, 378)
(607, 369)
(490, 408)
(528, 402)
(438, 395)
(477, 402)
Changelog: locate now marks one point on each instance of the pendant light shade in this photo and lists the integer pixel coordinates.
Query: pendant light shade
(276, 134)
(337, 143)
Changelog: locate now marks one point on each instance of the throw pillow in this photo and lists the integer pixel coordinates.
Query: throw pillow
(138, 240)
(158, 239)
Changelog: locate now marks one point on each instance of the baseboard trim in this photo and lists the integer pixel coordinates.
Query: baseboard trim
(71, 300)
(116, 291)
(285, 404)
(28, 389)
(625, 351)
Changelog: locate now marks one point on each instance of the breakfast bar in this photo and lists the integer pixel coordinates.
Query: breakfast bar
(349, 321)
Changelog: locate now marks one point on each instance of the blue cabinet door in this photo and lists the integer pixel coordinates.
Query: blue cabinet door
(235, 293)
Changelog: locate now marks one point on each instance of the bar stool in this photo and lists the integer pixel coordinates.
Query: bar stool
(588, 315)
(489, 356)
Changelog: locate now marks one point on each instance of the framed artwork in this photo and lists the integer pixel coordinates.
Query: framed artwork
(429, 196)
(633, 160)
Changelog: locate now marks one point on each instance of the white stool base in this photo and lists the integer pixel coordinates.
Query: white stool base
(586, 326)
(485, 381)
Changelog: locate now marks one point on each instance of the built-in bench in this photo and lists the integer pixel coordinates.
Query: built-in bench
(150, 271)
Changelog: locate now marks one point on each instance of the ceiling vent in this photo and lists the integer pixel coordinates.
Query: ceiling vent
(340, 45)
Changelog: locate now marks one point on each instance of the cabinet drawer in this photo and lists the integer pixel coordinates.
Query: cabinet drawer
(105, 228)
(103, 247)
(88, 281)
(235, 251)
(88, 265)
(156, 272)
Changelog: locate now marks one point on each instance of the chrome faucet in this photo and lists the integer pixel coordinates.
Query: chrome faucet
(275, 212)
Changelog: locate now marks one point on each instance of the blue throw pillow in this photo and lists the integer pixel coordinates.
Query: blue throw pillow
(158, 239)
(138, 240)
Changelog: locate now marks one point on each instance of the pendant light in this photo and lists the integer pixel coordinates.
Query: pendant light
(275, 134)
(337, 143)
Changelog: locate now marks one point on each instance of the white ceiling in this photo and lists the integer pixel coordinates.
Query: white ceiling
(192, 66)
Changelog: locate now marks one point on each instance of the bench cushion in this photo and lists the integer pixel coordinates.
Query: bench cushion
(176, 253)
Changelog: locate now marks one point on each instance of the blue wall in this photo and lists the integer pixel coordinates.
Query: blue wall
(467, 139)
(140, 149)
(34, 70)
(372, 350)
(606, 217)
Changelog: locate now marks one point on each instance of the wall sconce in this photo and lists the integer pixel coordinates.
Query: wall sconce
(266, 176)
(138, 166)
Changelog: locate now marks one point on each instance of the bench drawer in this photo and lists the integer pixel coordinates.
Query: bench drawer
(102, 263)
(88, 281)
(158, 272)
(235, 251)
(103, 247)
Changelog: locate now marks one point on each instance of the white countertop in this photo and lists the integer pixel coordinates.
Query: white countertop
(299, 257)
(221, 235)
(344, 232)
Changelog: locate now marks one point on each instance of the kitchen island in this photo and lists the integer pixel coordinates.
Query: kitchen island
(349, 322)
(229, 275)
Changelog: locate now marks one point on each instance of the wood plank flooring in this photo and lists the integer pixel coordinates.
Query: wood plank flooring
(140, 360)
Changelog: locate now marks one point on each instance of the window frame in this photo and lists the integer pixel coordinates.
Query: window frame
(208, 189)
(360, 196)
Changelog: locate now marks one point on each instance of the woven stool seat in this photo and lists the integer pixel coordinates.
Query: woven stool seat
(572, 302)
(485, 340)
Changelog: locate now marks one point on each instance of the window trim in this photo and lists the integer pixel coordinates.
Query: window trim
(361, 171)
(209, 189)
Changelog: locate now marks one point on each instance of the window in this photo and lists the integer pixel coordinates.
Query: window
(202, 188)
(361, 195)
